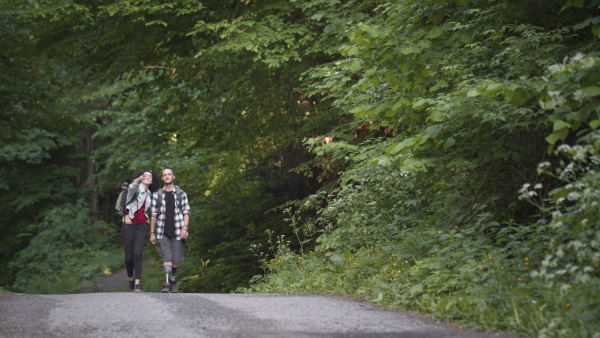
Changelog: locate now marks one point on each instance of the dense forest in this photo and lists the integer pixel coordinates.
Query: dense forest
(439, 156)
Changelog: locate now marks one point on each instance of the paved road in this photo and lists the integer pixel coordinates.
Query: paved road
(209, 315)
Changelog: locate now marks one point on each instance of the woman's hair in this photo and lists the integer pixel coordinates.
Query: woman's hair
(155, 184)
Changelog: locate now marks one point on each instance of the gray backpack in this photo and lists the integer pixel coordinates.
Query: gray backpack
(123, 199)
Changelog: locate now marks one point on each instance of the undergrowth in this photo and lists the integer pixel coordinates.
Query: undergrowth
(391, 247)
(67, 252)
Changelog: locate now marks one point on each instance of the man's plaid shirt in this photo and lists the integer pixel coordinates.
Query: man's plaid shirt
(180, 210)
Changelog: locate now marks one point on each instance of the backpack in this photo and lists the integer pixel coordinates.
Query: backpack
(123, 199)
(178, 193)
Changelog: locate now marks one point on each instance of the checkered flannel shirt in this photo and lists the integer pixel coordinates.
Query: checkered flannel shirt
(180, 210)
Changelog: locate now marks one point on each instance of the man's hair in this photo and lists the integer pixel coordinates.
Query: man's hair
(167, 169)
(154, 186)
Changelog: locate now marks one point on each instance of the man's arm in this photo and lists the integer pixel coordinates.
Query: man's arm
(152, 224)
(186, 215)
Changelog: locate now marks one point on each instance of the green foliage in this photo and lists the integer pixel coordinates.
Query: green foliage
(421, 120)
(66, 252)
(456, 273)
(225, 111)
(427, 218)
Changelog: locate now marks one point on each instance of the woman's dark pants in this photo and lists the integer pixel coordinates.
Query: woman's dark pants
(134, 236)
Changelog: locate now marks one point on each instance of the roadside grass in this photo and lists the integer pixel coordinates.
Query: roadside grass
(73, 275)
(481, 293)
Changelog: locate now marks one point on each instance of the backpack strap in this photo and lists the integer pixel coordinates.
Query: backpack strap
(179, 194)
(159, 199)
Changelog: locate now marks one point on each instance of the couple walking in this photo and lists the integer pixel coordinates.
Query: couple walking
(168, 212)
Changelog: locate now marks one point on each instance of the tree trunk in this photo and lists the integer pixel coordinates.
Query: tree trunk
(91, 181)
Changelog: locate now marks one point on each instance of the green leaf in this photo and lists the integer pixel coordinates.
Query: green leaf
(466, 37)
(596, 30)
(356, 66)
(591, 91)
(560, 124)
(417, 288)
(518, 96)
(492, 89)
(421, 103)
(473, 93)
(558, 193)
(416, 165)
(337, 258)
(583, 24)
(353, 51)
(359, 157)
(434, 32)
(560, 135)
(317, 16)
(392, 79)
(373, 33)
(358, 112)
(449, 143)
(395, 148)
(379, 298)
(411, 50)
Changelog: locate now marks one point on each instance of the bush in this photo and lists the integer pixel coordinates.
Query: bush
(66, 252)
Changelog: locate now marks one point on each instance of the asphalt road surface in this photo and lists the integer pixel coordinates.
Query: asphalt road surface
(124, 314)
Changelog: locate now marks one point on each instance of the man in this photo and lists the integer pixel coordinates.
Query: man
(170, 213)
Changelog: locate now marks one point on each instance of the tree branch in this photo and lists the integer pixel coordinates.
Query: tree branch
(173, 70)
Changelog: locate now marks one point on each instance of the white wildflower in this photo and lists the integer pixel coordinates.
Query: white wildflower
(565, 287)
(554, 69)
(542, 166)
(580, 95)
(577, 245)
(588, 62)
(578, 57)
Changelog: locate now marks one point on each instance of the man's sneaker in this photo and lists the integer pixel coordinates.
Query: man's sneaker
(166, 288)
(136, 288)
(131, 285)
(174, 287)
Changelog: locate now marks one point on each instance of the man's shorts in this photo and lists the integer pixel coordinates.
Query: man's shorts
(171, 249)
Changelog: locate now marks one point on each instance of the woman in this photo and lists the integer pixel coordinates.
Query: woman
(134, 224)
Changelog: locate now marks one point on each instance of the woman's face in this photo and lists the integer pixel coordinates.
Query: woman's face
(147, 178)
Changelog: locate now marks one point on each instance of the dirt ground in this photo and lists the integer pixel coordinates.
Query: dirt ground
(115, 282)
